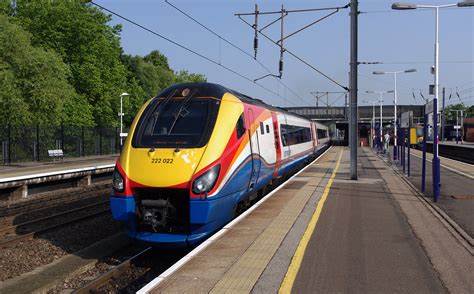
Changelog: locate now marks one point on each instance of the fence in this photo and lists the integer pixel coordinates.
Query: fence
(31, 143)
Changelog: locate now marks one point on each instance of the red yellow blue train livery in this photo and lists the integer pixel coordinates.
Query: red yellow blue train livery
(196, 154)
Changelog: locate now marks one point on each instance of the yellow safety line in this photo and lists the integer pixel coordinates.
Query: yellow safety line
(295, 264)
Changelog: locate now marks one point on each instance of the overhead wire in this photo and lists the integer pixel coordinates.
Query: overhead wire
(335, 100)
(231, 44)
(293, 54)
(187, 49)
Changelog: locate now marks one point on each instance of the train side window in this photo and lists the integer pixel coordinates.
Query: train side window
(262, 130)
(240, 127)
(268, 128)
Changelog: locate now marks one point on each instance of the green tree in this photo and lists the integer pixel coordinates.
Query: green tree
(13, 109)
(152, 72)
(470, 111)
(450, 111)
(184, 76)
(134, 102)
(157, 59)
(80, 34)
(34, 81)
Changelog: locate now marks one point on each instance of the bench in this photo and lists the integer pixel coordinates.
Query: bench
(56, 153)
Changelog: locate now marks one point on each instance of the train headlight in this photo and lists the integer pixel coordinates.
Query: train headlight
(206, 182)
(118, 183)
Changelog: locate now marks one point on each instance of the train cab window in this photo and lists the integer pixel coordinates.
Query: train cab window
(240, 126)
(262, 130)
(176, 122)
(268, 128)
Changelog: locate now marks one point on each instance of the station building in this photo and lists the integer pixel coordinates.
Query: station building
(337, 117)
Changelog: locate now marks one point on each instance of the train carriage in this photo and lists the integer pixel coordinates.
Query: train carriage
(196, 154)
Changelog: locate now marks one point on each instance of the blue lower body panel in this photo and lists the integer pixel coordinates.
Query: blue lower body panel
(206, 217)
(123, 208)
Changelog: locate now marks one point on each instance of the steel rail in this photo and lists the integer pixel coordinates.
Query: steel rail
(31, 235)
(104, 278)
(50, 201)
(11, 229)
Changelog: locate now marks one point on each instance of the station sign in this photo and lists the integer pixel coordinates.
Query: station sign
(429, 107)
(406, 120)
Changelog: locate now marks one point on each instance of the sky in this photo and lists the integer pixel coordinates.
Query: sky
(400, 40)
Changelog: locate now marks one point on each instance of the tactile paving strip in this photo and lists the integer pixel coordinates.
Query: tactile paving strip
(243, 275)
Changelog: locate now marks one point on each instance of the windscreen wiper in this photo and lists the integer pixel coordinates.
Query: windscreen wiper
(182, 108)
(161, 105)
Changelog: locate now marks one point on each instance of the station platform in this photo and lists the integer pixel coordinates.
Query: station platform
(456, 192)
(461, 152)
(322, 232)
(28, 169)
(453, 143)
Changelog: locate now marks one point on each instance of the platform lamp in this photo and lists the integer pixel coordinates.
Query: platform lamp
(121, 118)
(394, 104)
(435, 162)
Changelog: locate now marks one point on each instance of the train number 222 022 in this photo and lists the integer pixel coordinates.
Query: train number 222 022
(162, 160)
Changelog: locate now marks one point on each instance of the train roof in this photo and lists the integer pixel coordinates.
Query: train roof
(218, 91)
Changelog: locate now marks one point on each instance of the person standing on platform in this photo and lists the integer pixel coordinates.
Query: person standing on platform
(386, 141)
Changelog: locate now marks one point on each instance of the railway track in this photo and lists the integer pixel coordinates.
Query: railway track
(25, 231)
(133, 273)
(114, 273)
(56, 198)
(452, 151)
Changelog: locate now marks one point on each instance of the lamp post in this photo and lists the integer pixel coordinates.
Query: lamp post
(372, 131)
(394, 104)
(435, 162)
(381, 115)
(121, 117)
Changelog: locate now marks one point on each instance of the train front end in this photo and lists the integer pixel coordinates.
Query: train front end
(171, 163)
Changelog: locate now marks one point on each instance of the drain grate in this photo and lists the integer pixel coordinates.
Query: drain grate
(463, 197)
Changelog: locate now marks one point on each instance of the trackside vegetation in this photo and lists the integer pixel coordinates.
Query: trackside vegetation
(61, 63)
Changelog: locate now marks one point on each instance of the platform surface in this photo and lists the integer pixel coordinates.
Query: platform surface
(459, 144)
(370, 235)
(457, 187)
(33, 168)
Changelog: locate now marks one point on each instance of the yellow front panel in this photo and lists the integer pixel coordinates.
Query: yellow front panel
(230, 110)
(164, 167)
(413, 136)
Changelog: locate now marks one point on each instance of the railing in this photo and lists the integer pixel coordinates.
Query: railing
(31, 143)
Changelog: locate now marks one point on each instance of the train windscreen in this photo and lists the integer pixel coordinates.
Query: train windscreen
(176, 122)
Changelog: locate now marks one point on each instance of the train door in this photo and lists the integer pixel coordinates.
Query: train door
(276, 134)
(254, 149)
(284, 138)
(313, 128)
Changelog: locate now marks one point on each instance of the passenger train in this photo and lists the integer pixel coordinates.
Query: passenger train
(199, 152)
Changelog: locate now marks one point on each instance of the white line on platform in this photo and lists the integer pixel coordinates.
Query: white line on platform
(54, 173)
(155, 282)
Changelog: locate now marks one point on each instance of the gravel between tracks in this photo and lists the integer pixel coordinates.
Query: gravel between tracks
(45, 248)
(101, 267)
